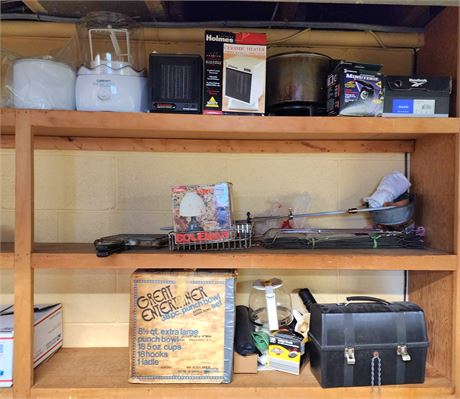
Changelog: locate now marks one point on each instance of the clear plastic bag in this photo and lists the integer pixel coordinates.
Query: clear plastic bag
(297, 202)
(7, 58)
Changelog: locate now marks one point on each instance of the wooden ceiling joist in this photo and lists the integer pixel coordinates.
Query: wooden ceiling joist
(158, 9)
(35, 6)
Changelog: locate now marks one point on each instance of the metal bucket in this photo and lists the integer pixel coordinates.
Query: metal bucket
(395, 216)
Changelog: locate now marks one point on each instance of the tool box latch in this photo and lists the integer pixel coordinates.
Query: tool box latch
(350, 355)
(401, 350)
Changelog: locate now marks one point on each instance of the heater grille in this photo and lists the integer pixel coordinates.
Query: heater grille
(238, 85)
(176, 82)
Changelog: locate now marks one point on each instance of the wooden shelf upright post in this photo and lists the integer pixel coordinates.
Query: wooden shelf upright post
(23, 272)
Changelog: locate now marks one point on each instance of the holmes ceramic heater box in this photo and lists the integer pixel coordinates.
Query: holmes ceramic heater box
(234, 78)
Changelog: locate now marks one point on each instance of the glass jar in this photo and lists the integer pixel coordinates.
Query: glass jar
(269, 305)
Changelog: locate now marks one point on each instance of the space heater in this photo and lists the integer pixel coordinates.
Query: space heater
(176, 82)
(244, 82)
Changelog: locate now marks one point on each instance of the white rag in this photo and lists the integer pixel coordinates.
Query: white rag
(391, 187)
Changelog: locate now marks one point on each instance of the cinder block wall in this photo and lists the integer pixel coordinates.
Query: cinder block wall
(80, 196)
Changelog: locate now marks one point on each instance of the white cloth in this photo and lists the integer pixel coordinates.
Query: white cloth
(391, 187)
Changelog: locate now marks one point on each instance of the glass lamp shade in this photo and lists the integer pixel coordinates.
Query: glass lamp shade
(192, 205)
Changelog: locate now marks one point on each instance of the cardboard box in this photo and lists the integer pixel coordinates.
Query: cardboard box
(417, 96)
(286, 352)
(182, 326)
(202, 213)
(244, 364)
(234, 73)
(355, 90)
(47, 337)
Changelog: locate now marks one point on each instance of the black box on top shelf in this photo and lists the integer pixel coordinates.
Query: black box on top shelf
(417, 96)
(355, 89)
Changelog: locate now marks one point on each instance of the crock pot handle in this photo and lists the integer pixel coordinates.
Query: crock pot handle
(367, 298)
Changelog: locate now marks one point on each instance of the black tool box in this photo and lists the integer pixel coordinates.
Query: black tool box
(359, 344)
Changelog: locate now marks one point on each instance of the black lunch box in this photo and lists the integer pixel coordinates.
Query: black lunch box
(353, 342)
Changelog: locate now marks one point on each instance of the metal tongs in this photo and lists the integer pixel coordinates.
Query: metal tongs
(290, 215)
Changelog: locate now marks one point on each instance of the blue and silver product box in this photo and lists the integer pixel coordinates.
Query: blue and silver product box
(355, 89)
(417, 96)
(182, 324)
(47, 337)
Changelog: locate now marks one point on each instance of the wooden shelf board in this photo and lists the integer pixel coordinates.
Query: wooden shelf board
(6, 256)
(209, 127)
(214, 146)
(103, 372)
(81, 256)
(6, 393)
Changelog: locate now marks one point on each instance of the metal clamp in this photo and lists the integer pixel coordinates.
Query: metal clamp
(401, 350)
(350, 355)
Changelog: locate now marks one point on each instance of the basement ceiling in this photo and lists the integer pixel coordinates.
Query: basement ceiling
(346, 14)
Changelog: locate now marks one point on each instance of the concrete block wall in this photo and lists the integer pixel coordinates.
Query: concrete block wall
(80, 196)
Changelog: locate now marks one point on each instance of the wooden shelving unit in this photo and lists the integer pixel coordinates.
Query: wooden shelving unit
(434, 275)
(102, 371)
(7, 255)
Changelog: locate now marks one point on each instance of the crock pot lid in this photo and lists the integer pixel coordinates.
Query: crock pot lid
(299, 54)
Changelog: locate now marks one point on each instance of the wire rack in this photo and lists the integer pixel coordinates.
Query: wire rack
(241, 238)
(343, 239)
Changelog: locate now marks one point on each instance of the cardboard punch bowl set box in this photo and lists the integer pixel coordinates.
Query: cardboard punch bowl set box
(182, 326)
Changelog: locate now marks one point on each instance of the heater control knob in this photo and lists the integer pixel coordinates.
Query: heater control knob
(103, 93)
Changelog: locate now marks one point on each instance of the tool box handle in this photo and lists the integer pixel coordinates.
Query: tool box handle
(366, 298)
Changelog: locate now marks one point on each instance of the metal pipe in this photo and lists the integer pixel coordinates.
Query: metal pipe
(229, 24)
(327, 213)
(288, 37)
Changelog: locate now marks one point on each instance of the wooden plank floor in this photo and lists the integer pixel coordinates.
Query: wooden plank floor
(6, 393)
(103, 373)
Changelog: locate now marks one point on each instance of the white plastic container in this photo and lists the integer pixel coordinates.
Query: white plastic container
(42, 84)
(100, 90)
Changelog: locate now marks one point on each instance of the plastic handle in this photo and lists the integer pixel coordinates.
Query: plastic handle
(367, 298)
(307, 298)
(272, 310)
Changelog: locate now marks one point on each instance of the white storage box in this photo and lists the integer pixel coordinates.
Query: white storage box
(47, 337)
